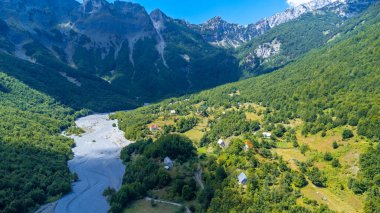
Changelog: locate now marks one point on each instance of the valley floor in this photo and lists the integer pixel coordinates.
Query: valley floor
(97, 164)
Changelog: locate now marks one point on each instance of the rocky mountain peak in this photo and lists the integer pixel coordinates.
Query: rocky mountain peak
(158, 17)
(157, 13)
(90, 6)
(295, 12)
(216, 19)
(221, 33)
(216, 22)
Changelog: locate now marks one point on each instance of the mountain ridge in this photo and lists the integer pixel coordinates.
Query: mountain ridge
(228, 35)
(119, 43)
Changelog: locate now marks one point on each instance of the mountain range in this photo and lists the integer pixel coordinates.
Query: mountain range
(136, 57)
(313, 85)
(224, 34)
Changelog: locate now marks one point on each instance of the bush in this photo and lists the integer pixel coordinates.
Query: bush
(205, 196)
(316, 177)
(335, 163)
(187, 193)
(347, 134)
(335, 145)
(327, 156)
(300, 181)
(304, 148)
(358, 186)
(279, 131)
(185, 124)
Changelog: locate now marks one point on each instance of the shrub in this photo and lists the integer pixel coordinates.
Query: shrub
(300, 181)
(316, 177)
(187, 193)
(327, 156)
(335, 145)
(347, 134)
(335, 163)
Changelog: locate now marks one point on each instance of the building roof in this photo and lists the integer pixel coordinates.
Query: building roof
(267, 134)
(154, 126)
(249, 144)
(167, 159)
(242, 177)
(221, 142)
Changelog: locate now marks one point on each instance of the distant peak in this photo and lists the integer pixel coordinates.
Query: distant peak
(216, 20)
(158, 13)
(93, 5)
(158, 16)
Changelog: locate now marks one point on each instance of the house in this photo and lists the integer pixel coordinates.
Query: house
(168, 163)
(173, 112)
(221, 143)
(267, 134)
(242, 178)
(153, 127)
(248, 145)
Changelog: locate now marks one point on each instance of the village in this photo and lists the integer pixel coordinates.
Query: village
(242, 133)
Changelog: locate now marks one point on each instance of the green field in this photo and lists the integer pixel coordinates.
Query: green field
(144, 206)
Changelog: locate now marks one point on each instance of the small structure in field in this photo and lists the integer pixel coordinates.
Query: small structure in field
(267, 134)
(242, 178)
(153, 127)
(168, 163)
(221, 143)
(173, 112)
(248, 145)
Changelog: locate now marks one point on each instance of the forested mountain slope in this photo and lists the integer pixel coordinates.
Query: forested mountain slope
(117, 50)
(322, 112)
(291, 40)
(76, 90)
(118, 46)
(229, 35)
(33, 154)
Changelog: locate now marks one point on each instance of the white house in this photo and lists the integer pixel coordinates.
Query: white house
(173, 112)
(267, 134)
(221, 143)
(168, 163)
(242, 178)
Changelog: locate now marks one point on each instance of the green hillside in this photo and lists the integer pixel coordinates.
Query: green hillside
(322, 112)
(85, 91)
(297, 37)
(30, 128)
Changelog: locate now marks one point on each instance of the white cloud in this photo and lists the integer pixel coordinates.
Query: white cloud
(294, 3)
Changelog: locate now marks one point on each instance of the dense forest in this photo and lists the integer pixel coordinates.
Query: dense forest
(30, 128)
(145, 172)
(295, 38)
(329, 94)
(83, 92)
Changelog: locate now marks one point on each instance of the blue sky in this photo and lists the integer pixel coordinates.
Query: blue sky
(235, 11)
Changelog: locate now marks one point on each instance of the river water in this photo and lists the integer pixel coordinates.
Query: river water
(97, 163)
